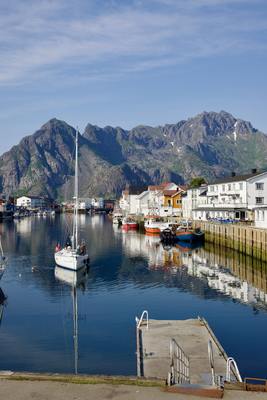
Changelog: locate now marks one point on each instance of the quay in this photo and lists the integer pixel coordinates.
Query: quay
(184, 353)
(245, 239)
(29, 387)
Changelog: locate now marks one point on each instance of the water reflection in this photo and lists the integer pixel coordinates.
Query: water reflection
(76, 279)
(129, 272)
(2, 304)
(222, 270)
(231, 273)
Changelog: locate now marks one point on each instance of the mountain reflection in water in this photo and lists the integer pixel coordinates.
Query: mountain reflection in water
(129, 272)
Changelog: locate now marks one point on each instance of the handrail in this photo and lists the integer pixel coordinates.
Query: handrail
(140, 321)
(179, 365)
(211, 360)
(230, 363)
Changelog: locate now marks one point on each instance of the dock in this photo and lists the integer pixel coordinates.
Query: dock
(185, 353)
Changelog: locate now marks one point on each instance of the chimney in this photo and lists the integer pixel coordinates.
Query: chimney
(233, 174)
(254, 170)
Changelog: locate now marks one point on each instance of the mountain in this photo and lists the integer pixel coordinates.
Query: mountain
(210, 144)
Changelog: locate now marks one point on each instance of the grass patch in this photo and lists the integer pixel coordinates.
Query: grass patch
(87, 380)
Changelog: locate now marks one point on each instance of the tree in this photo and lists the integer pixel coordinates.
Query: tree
(197, 181)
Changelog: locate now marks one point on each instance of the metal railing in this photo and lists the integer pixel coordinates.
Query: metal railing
(211, 360)
(231, 366)
(179, 365)
(141, 320)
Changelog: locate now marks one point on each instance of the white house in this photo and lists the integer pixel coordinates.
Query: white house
(234, 197)
(193, 198)
(148, 202)
(30, 202)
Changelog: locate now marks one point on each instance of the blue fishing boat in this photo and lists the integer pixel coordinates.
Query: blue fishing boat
(189, 235)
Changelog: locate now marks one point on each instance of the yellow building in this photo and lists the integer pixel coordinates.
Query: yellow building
(173, 198)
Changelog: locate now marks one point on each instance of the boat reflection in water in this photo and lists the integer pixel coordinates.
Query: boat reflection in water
(2, 304)
(76, 279)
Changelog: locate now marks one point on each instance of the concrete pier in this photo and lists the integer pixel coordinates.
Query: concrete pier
(193, 336)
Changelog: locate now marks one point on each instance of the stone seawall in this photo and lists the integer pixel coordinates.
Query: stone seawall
(245, 239)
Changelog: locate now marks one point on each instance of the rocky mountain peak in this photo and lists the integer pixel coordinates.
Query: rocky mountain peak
(209, 144)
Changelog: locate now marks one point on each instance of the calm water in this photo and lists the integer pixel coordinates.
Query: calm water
(129, 272)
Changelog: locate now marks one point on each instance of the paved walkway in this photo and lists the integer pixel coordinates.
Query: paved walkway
(25, 390)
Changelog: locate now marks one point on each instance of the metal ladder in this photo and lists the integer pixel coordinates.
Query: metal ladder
(231, 366)
(140, 320)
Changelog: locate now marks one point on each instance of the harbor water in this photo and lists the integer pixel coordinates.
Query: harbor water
(128, 272)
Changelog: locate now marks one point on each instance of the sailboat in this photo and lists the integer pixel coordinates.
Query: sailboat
(73, 256)
(74, 279)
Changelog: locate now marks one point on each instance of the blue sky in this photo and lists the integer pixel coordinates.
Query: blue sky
(130, 62)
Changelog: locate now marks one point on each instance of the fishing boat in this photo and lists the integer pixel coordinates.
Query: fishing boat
(117, 218)
(153, 224)
(73, 256)
(75, 279)
(129, 223)
(168, 236)
(189, 235)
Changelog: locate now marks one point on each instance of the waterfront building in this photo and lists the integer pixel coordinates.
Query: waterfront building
(31, 202)
(153, 201)
(172, 202)
(191, 199)
(234, 197)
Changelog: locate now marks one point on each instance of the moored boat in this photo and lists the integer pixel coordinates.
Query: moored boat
(152, 225)
(73, 256)
(189, 235)
(168, 236)
(129, 223)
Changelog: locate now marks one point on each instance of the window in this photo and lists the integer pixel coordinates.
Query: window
(240, 186)
(212, 188)
(229, 186)
(259, 200)
(223, 188)
(259, 185)
(178, 201)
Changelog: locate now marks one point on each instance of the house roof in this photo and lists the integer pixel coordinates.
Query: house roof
(236, 178)
(172, 193)
(159, 187)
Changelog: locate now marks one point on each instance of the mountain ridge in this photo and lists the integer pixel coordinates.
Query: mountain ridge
(211, 144)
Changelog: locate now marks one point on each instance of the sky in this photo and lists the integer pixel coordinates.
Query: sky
(129, 62)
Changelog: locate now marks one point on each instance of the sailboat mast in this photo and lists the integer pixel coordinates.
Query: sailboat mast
(76, 189)
(1, 248)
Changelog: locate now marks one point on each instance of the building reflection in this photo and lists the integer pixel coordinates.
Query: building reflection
(228, 272)
(231, 273)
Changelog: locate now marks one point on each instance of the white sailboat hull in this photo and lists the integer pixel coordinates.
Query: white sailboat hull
(70, 259)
